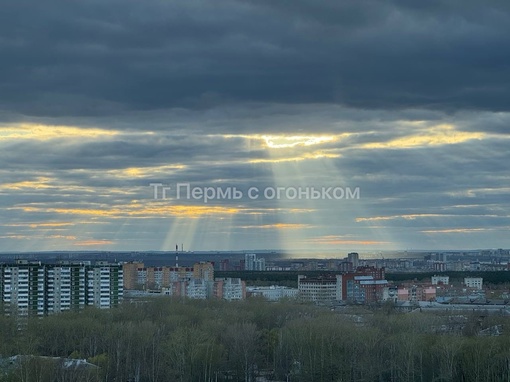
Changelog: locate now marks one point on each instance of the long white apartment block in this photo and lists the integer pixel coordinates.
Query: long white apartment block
(33, 288)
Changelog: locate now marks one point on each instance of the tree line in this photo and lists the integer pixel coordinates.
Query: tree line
(289, 278)
(165, 339)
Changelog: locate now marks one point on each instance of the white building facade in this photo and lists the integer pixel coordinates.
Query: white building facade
(274, 293)
(321, 289)
(32, 288)
(473, 282)
(252, 263)
(440, 280)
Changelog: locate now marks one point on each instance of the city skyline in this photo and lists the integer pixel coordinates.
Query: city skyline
(404, 105)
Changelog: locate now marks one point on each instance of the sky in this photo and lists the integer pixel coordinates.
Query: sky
(381, 125)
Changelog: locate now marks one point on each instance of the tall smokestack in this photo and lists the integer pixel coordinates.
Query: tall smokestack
(177, 255)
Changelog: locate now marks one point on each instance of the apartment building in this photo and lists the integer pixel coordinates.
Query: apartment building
(193, 288)
(33, 288)
(140, 277)
(130, 271)
(104, 285)
(320, 289)
(65, 287)
(229, 289)
(364, 289)
(353, 258)
(203, 271)
(365, 285)
(252, 263)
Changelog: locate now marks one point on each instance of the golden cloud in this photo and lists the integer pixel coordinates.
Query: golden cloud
(456, 230)
(92, 242)
(41, 132)
(40, 225)
(313, 155)
(406, 217)
(282, 226)
(137, 210)
(38, 183)
(342, 240)
(443, 134)
(141, 172)
(289, 141)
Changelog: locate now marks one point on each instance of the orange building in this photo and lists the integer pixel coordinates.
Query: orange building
(130, 271)
(203, 271)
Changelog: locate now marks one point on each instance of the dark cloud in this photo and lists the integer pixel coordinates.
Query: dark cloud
(95, 58)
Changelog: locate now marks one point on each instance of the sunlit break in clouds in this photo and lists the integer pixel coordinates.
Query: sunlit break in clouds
(304, 126)
(281, 142)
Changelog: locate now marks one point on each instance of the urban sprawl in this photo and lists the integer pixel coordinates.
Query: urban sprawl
(38, 288)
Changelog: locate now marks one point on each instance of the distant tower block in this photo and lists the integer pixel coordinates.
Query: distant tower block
(252, 263)
(353, 257)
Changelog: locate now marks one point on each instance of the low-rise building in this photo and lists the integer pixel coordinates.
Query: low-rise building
(414, 293)
(436, 280)
(473, 282)
(273, 293)
(390, 293)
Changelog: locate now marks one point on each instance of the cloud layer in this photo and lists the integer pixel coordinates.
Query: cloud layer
(407, 101)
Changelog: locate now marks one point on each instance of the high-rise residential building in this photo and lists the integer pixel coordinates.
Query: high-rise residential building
(197, 289)
(229, 289)
(225, 265)
(15, 288)
(439, 266)
(353, 257)
(105, 285)
(195, 282)
(249, 261)
(203, 271)
(194, 289)
(178, 274)
(364, 289)
(130, 271)
(365, 285)
(32, 288)
(160, 277)
(65, 286)
(252, 263)
(260, 264)
(226, 289)
(345, 266)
